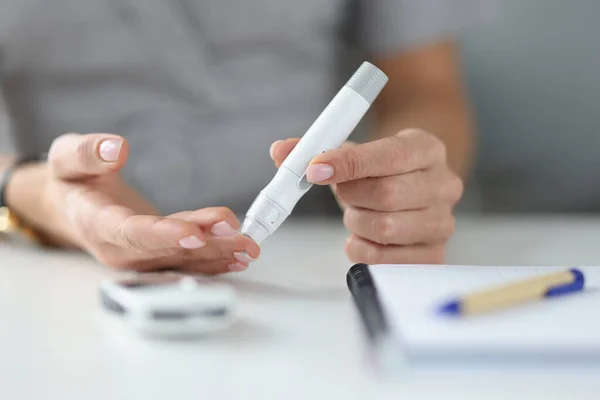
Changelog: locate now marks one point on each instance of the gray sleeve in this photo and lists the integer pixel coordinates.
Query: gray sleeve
(388, 26)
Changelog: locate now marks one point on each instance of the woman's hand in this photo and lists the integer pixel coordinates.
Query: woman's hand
(85, 203)
(398, 195)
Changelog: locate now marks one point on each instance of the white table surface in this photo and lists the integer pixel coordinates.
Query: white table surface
(298, 335)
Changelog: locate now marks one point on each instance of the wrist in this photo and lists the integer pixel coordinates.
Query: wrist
(25, 195)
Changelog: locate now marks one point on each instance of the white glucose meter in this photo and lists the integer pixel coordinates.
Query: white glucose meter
(170, 303)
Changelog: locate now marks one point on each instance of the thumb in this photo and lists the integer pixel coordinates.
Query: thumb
(75, 156)
(281, 149)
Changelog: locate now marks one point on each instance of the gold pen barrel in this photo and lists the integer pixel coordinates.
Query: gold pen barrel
(514, 293)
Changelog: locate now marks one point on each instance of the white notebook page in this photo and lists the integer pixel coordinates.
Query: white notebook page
(410, 296)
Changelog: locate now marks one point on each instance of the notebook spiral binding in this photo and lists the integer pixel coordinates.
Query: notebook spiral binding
(363, 289)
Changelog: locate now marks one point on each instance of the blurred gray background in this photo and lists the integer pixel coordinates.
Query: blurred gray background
(533, 73)
(5, 144)
(534, 77)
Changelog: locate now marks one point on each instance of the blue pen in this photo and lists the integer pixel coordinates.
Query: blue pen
(552, 285)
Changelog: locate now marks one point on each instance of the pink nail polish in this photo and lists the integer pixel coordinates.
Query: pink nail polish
(191, 242)
(223, 229)
(237, 267)
(243, 256)
(319, 172)
(110, 149)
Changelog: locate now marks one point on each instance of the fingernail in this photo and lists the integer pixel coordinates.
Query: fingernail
(272, 149)
(191, 242)
(319, 172)
(110, 149)
(243, 256)
(222, 229)
(237, 267)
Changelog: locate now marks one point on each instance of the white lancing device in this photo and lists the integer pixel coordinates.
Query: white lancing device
(331, 129)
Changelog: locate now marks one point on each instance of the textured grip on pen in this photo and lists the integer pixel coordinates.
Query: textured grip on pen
(368, 82)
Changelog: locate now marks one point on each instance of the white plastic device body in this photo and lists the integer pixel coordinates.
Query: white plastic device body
(330, 130)
(163, 304)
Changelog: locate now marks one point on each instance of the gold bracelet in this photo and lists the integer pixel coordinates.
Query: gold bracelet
(10, 223)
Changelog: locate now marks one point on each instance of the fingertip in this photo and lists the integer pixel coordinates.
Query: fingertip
(237, 267)
(75, 156)
(234, 222)
(272, 149)
(223, 229)
(339, 162)
(113, 150)
(252, 249)
(281, 149)
(319, 173)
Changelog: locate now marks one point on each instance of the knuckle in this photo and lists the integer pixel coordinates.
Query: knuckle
(422, 147)
(56, 152)
(434, 148)
(438, 149)
(369, 253)
(348, 218)
(223, 211)
(411, 133)
(352, 163)
(83, 153)
(226, 214)
(385, 228)
(360, 251)
(452, 189)
(432, 140)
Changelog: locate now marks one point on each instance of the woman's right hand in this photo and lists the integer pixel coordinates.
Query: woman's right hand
(85, 203)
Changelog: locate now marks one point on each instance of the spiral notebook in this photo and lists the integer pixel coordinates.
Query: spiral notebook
(398, 305)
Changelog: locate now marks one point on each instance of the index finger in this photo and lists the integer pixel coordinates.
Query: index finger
(408, 151)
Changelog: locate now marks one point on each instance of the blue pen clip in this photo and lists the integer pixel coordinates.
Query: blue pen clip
(574, 286)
